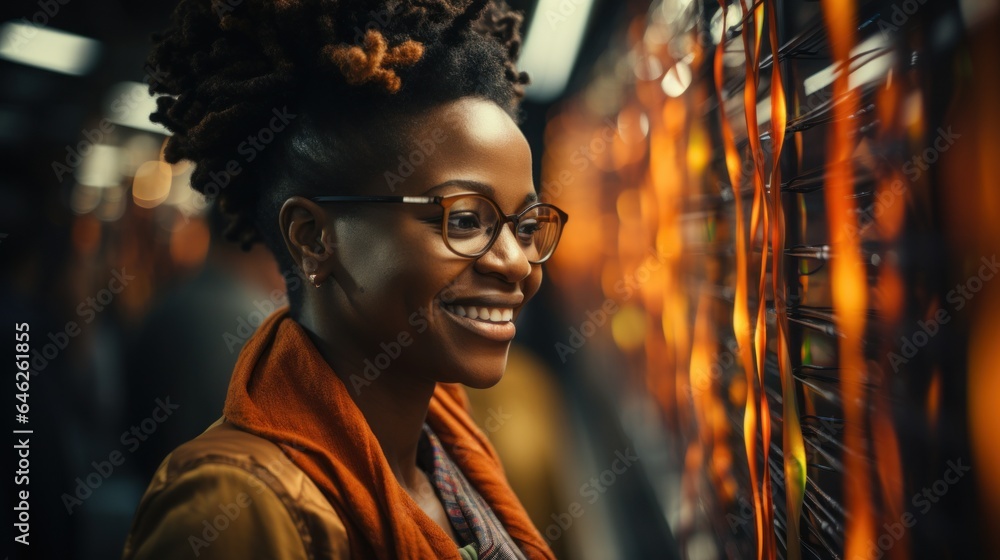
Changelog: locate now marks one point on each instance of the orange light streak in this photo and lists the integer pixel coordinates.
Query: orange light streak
(760, 218)
(741, 316)
(848, 281)
(891, 302)
(793, 447)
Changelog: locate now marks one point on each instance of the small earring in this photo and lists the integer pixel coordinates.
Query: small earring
(312, 278)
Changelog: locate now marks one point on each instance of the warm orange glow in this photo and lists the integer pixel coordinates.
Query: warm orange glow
(741, 312)
(848, 280)
(973, 227)
(934, 399)
(889, 468)
(890, 291)
(699, 150)
(151, 185)
(889, 214)
(715, 330)
(984, 414)
(189, 243)
(574, 188)
(628, 328)
(86, 235)
(713, 423)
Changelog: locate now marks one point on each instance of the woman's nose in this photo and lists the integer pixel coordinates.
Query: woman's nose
(506, 257)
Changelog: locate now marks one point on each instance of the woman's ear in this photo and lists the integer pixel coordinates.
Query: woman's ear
(303, 225)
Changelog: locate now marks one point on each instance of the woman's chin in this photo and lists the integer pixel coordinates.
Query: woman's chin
(482, 381)
(474, 368)
(483, 376)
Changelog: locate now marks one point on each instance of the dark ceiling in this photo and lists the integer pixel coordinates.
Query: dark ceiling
(42, 112)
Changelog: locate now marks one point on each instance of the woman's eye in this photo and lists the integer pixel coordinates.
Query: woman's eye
(464, 221)
(527, 230)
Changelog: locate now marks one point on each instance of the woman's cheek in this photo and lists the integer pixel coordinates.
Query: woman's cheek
(533, 282)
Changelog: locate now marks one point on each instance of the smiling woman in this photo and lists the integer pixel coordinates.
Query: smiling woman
(345, 412)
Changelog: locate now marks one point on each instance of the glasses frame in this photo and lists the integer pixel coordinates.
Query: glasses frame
(447, 201)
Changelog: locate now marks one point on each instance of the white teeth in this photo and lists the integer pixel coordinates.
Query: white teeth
(493, 315)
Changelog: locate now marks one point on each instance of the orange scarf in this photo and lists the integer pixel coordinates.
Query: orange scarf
(284, 391)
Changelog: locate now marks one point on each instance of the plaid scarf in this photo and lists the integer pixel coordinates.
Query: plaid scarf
(470, 516)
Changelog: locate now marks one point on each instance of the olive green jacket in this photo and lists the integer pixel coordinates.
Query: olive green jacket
(231, 494)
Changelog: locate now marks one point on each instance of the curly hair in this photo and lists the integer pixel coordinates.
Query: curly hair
(336, 72)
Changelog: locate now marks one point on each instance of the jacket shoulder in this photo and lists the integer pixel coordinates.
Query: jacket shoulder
(231, 494)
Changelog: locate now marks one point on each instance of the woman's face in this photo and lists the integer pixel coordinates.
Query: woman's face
(402, 299)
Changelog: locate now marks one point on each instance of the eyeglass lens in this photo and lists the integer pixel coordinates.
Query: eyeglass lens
(471, 223)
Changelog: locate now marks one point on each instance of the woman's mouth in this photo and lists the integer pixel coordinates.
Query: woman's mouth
(479, 313)
(493, 323)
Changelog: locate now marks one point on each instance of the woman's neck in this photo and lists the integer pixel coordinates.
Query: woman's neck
(395, 410)
(394, 404)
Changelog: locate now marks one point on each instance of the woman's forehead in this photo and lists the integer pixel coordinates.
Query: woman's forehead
(469, 140)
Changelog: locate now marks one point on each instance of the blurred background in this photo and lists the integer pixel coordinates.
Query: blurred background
(774, 302)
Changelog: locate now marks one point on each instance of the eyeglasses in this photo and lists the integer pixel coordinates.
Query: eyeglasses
(472, 222)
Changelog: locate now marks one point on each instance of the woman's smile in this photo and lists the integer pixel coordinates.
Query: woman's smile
(488, 317)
